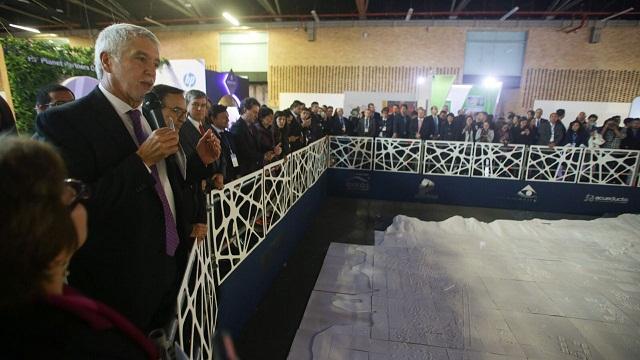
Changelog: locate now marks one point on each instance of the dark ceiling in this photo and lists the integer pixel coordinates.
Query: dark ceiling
(77, 14)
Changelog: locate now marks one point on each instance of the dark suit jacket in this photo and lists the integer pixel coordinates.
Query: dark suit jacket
(124, 262)
(249, 155)
(401, 126)
(335, 126)
(632, 141)
(371, 131)
(413, 129)
(196, 198)
(432, 131)
(228, 146)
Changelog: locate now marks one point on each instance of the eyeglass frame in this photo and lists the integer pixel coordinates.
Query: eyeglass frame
(82, 192)
(183, 112)
(50, 105)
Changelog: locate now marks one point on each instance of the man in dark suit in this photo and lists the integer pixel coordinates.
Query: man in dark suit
(401, 123)
(551, 132)
(229, 164)
(418, 128)
(432, 131)
(137, 215)
(337, 124)
(375, 115)
(250, 158)
(366, 126)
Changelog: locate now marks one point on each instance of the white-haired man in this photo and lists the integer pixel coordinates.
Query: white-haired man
(138, 221)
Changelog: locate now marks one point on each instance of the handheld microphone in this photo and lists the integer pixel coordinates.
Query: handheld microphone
(153, 105)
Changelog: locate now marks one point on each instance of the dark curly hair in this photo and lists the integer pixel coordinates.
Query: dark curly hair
(36, 226)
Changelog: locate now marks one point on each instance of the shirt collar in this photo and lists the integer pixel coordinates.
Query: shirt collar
(196, 124)
(122, 108)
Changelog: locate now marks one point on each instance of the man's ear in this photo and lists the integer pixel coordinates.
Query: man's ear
(107, 62)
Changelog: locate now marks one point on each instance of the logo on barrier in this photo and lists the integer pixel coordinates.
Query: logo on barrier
(358, 182)
(605, 199)
(425, 189)
(528, 193)
(189, 79)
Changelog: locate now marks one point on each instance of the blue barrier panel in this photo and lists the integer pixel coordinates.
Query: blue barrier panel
(484, 192)
(240, 294)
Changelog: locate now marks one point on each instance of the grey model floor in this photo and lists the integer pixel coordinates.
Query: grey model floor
(498, 314)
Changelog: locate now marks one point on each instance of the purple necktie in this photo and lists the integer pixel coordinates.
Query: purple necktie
(170, 228)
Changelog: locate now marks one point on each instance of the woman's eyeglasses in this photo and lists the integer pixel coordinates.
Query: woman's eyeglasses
(78, 191)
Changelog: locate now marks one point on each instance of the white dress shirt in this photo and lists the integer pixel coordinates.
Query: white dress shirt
(122, 108)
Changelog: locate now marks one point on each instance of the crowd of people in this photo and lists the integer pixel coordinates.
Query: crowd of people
(102, 206)
(529, 129)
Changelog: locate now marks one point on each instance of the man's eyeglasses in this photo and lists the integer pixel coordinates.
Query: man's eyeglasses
(180, 112)
(78, 191)
(52, 104)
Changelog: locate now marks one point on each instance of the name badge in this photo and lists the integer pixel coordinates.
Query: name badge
(384, 129)
(344, 129)
(366, 129)
(234, 160)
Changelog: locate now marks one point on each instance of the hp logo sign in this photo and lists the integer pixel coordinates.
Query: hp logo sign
(189, 80)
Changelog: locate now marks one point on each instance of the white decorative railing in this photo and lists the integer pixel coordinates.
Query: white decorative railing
(351, 152)
(609, 166)
(498, 161)
(398, 155)
(237, 221)
(240, 216)
(197, 308)
(557, 164)
(488, 160)
(447, 158)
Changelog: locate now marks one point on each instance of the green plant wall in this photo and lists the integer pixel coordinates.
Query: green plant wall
(32, 64)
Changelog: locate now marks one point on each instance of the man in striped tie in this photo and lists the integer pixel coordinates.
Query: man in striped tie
(138, 221)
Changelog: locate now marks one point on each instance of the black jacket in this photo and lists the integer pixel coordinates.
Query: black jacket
(124, 262)
(249, 155)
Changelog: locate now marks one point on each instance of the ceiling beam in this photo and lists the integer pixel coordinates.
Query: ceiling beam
(178, 7)
(362, 6)
(95, 9)
(18, 11)
(461, 5)
(267, 6)
(566, 5)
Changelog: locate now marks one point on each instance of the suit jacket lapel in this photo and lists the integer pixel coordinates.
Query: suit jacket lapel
(109, 120)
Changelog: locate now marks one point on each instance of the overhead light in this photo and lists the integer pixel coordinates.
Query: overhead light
(409, 13)
(491, 82)
(421, 80)
(617, 14)
(506, 16)
(45, 35)
(315, 16)
(25, 28)
(231, 19)
(148, 19)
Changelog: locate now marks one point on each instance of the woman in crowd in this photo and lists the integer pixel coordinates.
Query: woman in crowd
(612, 134)
(43, 224)
(485, 134)
(448, 131)
(281, 132)
(576, 136)
(264, 134)
(503, 134)
(468, 132)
